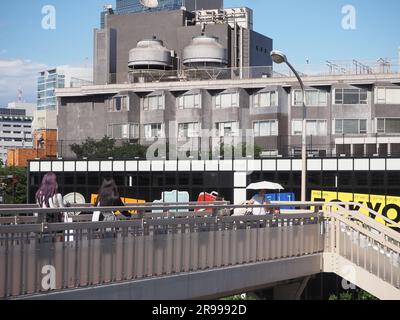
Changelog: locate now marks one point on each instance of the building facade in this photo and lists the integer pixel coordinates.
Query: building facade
(371, 181)
(16, 130)
(232, 28)
(61, 77)
(345, 116)
(191, 79)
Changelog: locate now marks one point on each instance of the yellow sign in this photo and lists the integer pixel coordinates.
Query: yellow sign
(124, 200)
(387, 206)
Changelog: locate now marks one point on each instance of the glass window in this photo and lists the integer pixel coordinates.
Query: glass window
(297, 127)
(313, 127)
(123, 131)
(265, 128)
(154, 130)
(350, 126)
(189, 101)
(381, 125)
(227, 100)
(265, 99)
(313, 98)
(118, 104)
(229, 129)
(351, 96)
(189, 130)
(153, 102)
(392, 126)
(363, 126)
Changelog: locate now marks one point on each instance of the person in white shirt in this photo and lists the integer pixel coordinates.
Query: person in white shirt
(48, 197)
(259, 200)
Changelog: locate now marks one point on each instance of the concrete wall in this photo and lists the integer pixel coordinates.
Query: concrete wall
(123, 32)
(260, 57)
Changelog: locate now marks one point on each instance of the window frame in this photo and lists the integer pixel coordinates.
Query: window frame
(234, 134)
(161, 131)
(342, 100)
(384, 100)
(321, 102)
(273, 99)
(124, 100)
(385, 126)
(219, 104)
(318, 121)
(196, 101)
(160, 102)
(129, 135)
(257, 133)
(359, 126)
(197, 132)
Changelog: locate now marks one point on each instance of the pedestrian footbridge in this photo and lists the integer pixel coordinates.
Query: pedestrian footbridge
(193, 251)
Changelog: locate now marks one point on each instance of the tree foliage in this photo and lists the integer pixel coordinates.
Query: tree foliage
(354, 295)
(106, 147)
(13, 184)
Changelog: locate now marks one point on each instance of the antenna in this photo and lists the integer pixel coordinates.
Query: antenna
(19, 95)
(149, 3)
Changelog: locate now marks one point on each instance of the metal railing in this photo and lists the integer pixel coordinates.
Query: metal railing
(172, 242)
(96, 253)
(364, 241)
(329, 68)
(278, 145)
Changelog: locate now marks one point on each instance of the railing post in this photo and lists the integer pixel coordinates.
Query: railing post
(214, 212)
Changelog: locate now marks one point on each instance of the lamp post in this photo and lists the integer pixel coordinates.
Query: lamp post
(279, 57)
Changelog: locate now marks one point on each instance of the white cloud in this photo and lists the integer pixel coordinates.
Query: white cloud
(15, 74)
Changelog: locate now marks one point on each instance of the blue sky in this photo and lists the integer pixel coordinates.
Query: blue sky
(308, 29)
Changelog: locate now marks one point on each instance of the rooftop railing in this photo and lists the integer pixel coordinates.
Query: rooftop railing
(328, 68)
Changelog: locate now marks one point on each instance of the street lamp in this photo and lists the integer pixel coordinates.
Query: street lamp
(279, 57)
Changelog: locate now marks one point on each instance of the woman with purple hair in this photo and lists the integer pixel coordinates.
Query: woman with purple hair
(48, 197)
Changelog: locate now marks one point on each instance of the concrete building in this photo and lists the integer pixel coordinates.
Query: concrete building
(175, 73)
(176, 29)
(60, 77)
(29, 108)
(352, 114)
(44, 146)
(15, 129)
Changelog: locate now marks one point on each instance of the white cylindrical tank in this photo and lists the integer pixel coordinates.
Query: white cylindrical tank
(150, 54)
(205, 51)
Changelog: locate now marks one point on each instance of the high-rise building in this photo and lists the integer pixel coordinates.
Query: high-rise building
(60, 77)
(129, 6)
(15, 128)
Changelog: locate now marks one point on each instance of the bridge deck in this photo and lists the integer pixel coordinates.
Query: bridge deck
(193, 257)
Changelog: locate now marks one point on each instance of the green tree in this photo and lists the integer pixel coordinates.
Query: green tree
(106, 147)
(129, 150)
(353, 295)
(243, 149)
(13, 182)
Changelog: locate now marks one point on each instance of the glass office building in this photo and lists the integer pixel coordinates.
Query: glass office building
(129, 6)
(48, 81)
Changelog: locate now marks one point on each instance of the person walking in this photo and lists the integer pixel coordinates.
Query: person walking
(108, 196)
(48, 197)
(259, 200)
